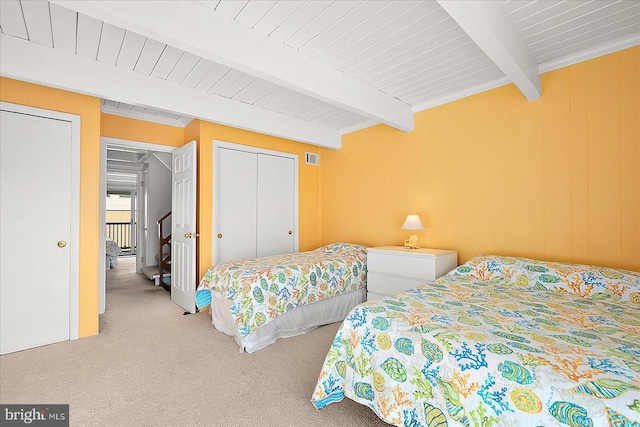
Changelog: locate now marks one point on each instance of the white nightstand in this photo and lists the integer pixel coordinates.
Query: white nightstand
(392, 269)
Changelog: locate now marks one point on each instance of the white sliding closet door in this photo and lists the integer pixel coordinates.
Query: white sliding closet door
(236, 188)
(275, 205)
(255, 203)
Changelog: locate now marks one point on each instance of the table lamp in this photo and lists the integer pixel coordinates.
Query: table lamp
(412, 223)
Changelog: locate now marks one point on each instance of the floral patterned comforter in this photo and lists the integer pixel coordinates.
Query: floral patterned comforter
(497, 342)
(264, 288)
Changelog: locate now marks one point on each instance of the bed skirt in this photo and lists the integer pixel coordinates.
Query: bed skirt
(295, 322)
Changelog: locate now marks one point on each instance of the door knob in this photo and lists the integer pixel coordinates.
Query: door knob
(290, 232)
(219, 235)
(191, 235)
(62, 244)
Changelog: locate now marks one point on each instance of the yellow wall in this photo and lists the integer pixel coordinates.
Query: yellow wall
(88, 108)
(556, 179)
(95, 124)
(118, 216)
(204, 133)
(308, 182)
(141, 131)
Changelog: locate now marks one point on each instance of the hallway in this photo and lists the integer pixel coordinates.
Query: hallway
(129, 292)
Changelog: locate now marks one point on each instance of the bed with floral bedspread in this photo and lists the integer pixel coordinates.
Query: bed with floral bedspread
(260, 290)
(499, 341)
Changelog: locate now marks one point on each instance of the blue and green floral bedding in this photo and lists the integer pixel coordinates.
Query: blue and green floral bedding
(261, 289)
(499, 341)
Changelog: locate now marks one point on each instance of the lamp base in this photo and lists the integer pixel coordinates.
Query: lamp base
(412, 242)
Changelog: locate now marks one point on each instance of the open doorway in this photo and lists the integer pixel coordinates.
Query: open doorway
(136, 193)
(121, 235)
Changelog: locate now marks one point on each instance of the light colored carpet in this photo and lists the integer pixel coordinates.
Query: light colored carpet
(152, 366)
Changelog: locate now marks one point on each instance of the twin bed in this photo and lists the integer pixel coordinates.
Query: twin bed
(498, 341)
(260, 300)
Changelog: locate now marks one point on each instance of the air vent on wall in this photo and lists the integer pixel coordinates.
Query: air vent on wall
(312, 159)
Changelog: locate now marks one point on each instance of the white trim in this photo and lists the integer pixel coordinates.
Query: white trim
(118, 167)
(102, 232)
(143, 218)
(74, 246)
(248, 149)
(358, 127)
(104, 142)
(588, 54)
(124, 188)
(483, 87)
(142, 116)
(137, 144)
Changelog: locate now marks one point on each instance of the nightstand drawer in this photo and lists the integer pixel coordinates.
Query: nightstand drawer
(389, 285)
(402, 265)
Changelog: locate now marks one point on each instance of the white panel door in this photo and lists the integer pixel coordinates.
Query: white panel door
(236, 187)
(276, 186)
(35, 250)
(183, 227)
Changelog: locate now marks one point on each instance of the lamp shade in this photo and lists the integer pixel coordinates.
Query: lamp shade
(412, 223)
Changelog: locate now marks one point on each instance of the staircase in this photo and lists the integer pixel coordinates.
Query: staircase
(161, 274)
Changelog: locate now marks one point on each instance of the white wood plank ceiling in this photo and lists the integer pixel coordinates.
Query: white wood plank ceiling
(310, 71)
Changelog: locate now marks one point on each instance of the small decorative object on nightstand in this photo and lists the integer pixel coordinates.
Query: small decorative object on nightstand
(412, 223)
(392, 269)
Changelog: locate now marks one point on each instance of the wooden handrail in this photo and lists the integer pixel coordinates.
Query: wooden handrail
(165, 216)
(163, 241)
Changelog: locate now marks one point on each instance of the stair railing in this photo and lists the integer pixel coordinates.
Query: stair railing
(163, 261)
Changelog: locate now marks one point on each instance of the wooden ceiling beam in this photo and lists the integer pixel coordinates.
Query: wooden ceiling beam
(489, 27)
(36, 63)
(193, 27)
